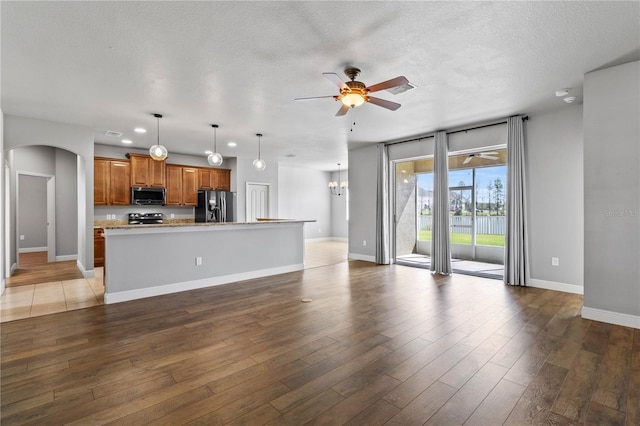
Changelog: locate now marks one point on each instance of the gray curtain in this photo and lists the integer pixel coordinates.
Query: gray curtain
(515, 248)
(440, 245)
(382, 207)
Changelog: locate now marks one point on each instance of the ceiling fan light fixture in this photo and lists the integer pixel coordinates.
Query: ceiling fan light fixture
(352, 99)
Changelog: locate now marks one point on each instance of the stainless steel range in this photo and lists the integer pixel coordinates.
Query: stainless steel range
(145, 218)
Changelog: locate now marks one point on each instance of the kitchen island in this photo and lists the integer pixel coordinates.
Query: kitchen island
(152, 260)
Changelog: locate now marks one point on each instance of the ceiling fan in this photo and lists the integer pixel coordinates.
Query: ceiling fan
(486, 155)
(354, 93)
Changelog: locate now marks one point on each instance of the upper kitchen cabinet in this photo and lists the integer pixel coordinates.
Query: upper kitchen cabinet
(182, 185)
(224, 179)
(214, 179)
(207, 178)
(111, 182)
(145, 171)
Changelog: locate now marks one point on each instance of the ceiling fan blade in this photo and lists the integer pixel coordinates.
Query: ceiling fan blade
(335, 79)
(489, 153)
(383, 103)
(313, 98)
(394, 82)
(489, 157)
(466, 160)
(343, 110)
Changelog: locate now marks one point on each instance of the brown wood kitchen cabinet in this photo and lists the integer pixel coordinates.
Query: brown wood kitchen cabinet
(214, 179)
(111, 182)
(182, 185)
(207, 178)
(98, 247)
(224, 179)
(147, 172)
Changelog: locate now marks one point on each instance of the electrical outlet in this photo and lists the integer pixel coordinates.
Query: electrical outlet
(173, 215)
(198, 261)
(21, 237)
(364, 243)
(555, 261)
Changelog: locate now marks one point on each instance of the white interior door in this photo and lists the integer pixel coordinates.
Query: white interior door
(257, 205)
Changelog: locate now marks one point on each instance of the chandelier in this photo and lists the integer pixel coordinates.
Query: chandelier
(339, 187)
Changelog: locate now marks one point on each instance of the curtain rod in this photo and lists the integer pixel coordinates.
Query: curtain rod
(504, 121)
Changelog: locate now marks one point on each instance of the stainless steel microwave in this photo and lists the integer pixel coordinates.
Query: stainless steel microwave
(148, 196)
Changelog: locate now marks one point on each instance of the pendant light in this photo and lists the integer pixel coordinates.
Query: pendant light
(215, 159)
(157, 151)
(339, 187)
(259, 164)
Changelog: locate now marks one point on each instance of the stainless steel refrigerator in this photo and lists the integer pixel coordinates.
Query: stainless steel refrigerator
(216, 206)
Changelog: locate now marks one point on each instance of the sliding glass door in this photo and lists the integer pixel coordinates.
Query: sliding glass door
(477, 187)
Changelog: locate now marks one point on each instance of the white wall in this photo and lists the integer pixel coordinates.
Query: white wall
(304, 195)
(362, 202)
(553, 161)
(22, 131)
(66, 203)
(612, 195)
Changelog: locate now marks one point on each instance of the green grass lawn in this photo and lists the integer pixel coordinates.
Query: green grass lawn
(459, 238)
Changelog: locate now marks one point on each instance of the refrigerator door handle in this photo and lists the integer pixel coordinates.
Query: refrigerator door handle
(224, 207)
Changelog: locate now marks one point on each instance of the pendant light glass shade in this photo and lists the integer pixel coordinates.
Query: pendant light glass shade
(157, 151)
(215, 158)
(259, 164)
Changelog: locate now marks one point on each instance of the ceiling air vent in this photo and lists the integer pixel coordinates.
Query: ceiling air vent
(113, 133)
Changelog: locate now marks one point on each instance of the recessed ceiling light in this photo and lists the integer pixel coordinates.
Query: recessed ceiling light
(562, 92)
(290, 155)
(127, 141)
(140, 130)
(232, 144)
(569, 99)
(208, 152)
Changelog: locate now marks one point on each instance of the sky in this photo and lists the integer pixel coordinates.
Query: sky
(484, 176)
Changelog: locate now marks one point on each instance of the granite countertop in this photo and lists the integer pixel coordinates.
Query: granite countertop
(176, 223)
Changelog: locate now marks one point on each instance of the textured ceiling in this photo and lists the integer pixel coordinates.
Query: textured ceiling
(110, 65)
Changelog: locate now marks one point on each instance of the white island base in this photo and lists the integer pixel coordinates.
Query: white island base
(152, 260)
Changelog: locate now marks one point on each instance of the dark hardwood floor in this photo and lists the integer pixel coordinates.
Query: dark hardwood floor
(377, 345)
(35, 269)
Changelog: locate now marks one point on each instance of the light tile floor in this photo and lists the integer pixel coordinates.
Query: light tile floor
(59, 296)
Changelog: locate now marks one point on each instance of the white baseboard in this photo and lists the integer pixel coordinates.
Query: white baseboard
(366, 258)
(124, 296)
(66, 257)
(32, 249)
(610, 317)
(90, 273)
(552, 285)
(316, 240)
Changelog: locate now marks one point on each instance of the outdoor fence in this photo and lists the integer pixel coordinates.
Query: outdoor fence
(494, 225)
